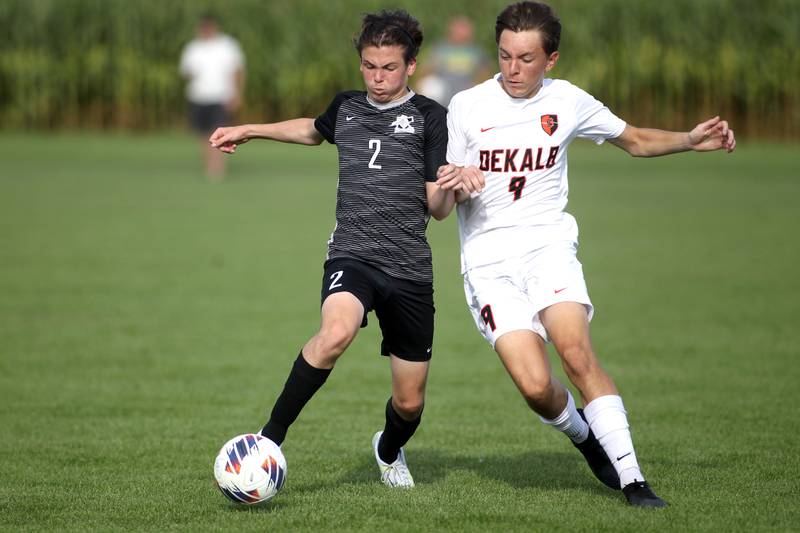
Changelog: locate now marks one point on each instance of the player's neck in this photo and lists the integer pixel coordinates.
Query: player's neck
(399, 98)
(530, 94)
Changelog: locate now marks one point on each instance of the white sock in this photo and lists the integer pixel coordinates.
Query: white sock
(606, 417)
(569, 422)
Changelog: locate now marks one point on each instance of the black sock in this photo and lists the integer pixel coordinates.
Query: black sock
(304, 380)
(395, 434)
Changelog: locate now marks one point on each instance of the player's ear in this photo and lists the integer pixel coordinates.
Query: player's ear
(551, 61)
(411, 66)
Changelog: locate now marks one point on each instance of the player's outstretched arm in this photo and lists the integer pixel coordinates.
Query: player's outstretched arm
(297, 131)
(713, 134)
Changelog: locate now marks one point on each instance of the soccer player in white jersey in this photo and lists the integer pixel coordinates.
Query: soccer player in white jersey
(508, 140)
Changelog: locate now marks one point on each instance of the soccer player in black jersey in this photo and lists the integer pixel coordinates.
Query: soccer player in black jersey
(391, 143)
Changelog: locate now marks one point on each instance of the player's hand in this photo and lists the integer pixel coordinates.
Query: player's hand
(229, 138)
(447, 177)
(713, 134)
(452, 177)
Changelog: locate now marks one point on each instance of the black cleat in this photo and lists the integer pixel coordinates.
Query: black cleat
(640, 494)
(598, 460)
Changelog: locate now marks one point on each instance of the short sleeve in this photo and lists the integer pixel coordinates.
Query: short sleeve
(595, 120)
(457, 140)
(238, 55)
(185, 67)
(326, 122)
(435, 140)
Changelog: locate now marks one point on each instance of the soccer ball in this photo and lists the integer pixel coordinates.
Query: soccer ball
(250, 469)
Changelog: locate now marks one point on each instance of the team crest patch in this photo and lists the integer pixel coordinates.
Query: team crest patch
(403, 124)
(549, 124)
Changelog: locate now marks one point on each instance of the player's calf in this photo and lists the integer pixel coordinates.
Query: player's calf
(607, 418)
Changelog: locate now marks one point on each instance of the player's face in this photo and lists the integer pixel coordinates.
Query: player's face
(386, 72)
(523, 62)
(207, 29)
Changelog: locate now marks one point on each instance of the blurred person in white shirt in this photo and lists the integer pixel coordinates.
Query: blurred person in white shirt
(213, 65)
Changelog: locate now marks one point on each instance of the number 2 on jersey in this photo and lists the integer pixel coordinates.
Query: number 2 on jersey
(376, 145)
(516, 185)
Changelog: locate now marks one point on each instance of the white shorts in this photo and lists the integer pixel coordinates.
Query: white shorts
(508, 296)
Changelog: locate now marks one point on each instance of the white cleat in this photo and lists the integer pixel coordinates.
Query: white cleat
(395, 474)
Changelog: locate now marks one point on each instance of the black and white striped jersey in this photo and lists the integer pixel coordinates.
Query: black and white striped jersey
(386, 154)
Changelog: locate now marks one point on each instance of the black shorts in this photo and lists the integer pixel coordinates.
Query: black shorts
(404, 308)
(205, 118)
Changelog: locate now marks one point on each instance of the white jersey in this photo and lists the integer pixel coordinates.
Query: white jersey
(521, 147)
(211, 66)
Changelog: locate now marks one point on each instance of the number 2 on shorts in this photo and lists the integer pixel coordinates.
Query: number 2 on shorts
(335, 277)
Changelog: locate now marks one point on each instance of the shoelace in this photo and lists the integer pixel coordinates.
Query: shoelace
(402, 476)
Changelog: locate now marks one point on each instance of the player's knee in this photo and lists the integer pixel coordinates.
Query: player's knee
(538, 391)
(334, 340)
(408, 407)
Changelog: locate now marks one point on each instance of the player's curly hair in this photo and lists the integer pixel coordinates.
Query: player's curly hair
(388, 28)
(524, 16)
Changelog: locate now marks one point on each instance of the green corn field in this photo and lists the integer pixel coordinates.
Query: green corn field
(113, 63)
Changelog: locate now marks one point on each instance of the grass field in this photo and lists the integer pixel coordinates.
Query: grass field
(147, 315)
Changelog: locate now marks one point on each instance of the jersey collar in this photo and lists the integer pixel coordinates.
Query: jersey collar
(393, 103)
(498, 89)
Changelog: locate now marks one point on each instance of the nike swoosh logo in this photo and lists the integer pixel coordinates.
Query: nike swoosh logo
(348, 119)
(621, 457)
(559, 290)
(483, 130)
